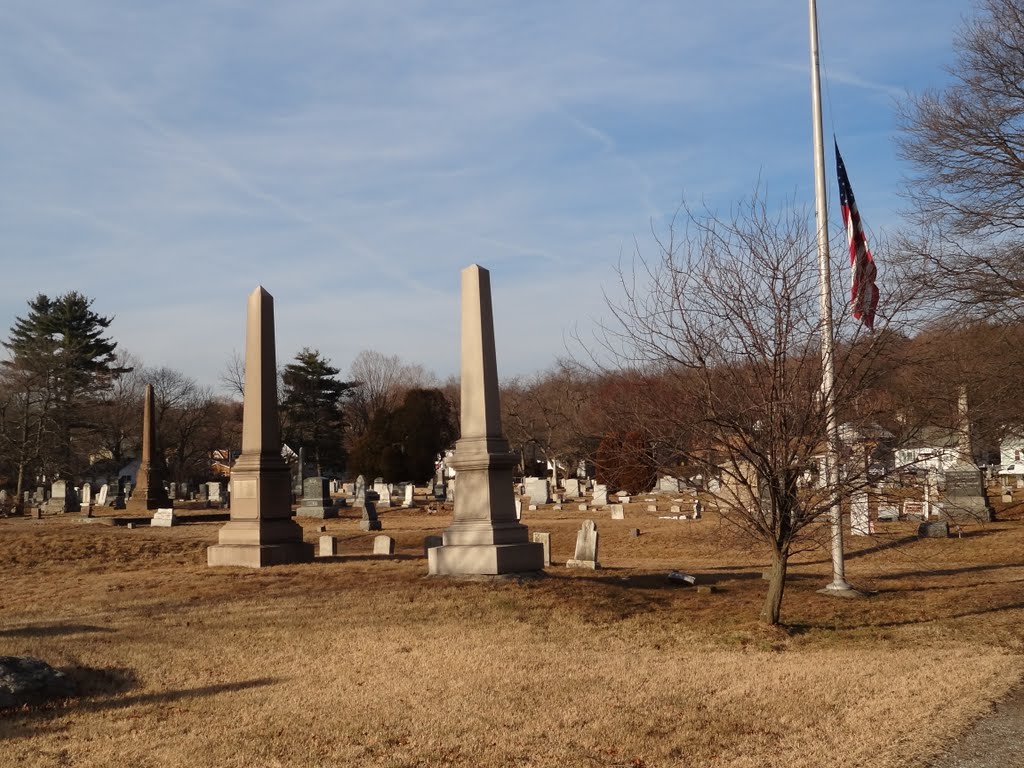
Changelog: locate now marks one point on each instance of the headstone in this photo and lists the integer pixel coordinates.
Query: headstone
(652, 507)
(582, 507)
(675, 509)
(544, 539)
(888, 512)
(698, 509)
(359, 491)
(667, 484)
(36, 512)
(430, 542)
(316, 499)
(586, 547)
(149, 493)
(572, 488)
(383, 493)
(538, 489)
(624, 499)
(163, 518)
(933, 529)
(519, 509)
(260, 531)
(634, 533)
(383, 545)
(860, 520)
(532, 507)
(328, 546)
(600, 498)
(1007, 497)
(203, 494)
(913, 510)
(215, 491)
(370, 521)
(71, 502)
(407, 495)
(965, 495)
(484, 538)
(618, 513)
(58, 497)
(87, 494)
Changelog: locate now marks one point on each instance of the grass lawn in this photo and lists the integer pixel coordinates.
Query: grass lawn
(366, 661)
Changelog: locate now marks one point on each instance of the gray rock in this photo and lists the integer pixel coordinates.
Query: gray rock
(26, 680)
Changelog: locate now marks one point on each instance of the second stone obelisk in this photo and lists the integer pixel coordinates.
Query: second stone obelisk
(261, 531)
(484, 538)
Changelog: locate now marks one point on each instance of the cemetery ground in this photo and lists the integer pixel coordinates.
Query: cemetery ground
(362, 660)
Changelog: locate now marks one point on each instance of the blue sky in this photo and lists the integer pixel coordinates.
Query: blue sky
(352, 157)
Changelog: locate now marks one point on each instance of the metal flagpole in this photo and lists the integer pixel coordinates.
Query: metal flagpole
(839, 584)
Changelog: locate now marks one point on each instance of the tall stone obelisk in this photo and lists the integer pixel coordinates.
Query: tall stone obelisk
(148, 493)
(261, 531)
(484, 538)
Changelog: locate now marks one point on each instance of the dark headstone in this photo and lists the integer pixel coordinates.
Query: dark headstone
(316, 499)
(965, 495)
(370, 521)
(933, 530)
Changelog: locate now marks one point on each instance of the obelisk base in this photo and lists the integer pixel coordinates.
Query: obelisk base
(260, 543)
(485, 559)
(259, 555)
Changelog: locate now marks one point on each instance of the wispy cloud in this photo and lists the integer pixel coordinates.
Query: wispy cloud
(167, 157)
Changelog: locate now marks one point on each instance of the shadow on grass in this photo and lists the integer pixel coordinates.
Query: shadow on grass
(97, 692)
(948, 572)
(799, 628)
(366, 558)
(52, 630)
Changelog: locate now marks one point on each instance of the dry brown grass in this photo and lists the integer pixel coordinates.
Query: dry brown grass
(358, 661)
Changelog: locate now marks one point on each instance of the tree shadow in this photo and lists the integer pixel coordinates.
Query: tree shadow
(98, 691)
(949, 571)
(803, 627)
(52, 630)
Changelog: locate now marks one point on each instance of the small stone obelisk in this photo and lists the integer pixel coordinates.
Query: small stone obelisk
(484, 538)
(148, 492)
(261, 531)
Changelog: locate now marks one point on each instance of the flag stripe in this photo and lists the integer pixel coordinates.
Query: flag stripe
(863, 291)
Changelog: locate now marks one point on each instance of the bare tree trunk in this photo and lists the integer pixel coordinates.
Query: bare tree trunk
(776, 587)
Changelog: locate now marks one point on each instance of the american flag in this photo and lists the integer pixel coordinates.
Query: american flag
(863, 292)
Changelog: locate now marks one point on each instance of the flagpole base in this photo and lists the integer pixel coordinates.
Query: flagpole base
(840, 588)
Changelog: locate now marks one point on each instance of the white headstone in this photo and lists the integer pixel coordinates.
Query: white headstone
(383, 545)
(586, 547)
(163, 518)
(328, 546)
(538, 489)
(600, 496)
(618, 513)
(540, 537)
(860, 520)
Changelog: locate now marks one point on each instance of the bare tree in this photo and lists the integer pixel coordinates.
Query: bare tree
(966, 144)
(717, 345)
(383, 383)
(547, 414)
(232, 378)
